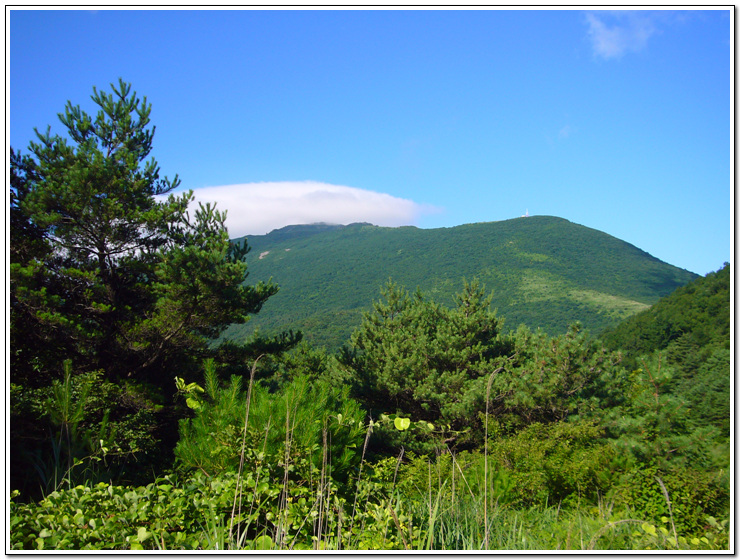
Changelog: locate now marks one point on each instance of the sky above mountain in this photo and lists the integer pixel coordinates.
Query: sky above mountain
(617, 120)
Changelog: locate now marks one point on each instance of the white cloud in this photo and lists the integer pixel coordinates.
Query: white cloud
(615, 33)
(258, 208)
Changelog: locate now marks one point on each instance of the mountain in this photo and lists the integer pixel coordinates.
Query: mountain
(543, 271)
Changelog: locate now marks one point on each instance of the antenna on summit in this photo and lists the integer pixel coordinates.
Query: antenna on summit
(526, 214)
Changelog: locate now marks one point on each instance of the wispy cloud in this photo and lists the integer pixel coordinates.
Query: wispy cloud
(258, 208)
(613, 34)
(565, 132)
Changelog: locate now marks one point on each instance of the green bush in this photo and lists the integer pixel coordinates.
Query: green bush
(414, 357)
(162, 514)
(257, 511)
(694, 496)
(563, 461)
(84, 429)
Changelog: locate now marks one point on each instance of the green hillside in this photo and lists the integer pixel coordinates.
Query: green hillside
(694, 320)
(543, 271)
(684, 340)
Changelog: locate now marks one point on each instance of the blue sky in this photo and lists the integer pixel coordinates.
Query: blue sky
(619, 121)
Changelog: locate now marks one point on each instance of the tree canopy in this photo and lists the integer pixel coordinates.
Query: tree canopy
(109, 267)
(116, 280)
(448, 365)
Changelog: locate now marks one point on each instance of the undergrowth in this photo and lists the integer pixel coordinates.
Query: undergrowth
(261, 471)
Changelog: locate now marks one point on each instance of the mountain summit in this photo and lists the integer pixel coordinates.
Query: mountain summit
(543, 271)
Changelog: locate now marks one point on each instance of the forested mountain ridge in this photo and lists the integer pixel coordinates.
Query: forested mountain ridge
(543, 271)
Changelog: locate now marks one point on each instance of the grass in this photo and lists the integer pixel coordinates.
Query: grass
(538, 285)
(618, 307)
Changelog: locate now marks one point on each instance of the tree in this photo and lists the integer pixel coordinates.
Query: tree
(113, 273)
(107, 272)
(551, 379)
(425, 360)
(414, 357)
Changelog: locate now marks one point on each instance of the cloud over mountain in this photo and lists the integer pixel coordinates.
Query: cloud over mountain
(258, 208)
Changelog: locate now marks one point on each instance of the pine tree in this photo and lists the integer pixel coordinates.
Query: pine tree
(109, 268)
(549, 379)
(414, 356)
(115, 274)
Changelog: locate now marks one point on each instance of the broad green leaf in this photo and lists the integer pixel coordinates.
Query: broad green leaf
(402, 423)
(263, 542)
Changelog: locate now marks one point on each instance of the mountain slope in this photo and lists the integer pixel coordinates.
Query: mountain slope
(691, 329)
(543, 271)
(698, 312)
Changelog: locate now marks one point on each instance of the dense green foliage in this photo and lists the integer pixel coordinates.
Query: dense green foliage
(300, 412)
(693, 317)
(135, 426)
(447, 366)
(686, 338)
(203, 512)
(111, 274)
(425, 360)
(544, 272)
(566, 449)
(199, 513)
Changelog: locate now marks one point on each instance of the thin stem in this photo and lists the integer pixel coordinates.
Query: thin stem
(241, 458)
(485, 466)
(670, 509)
